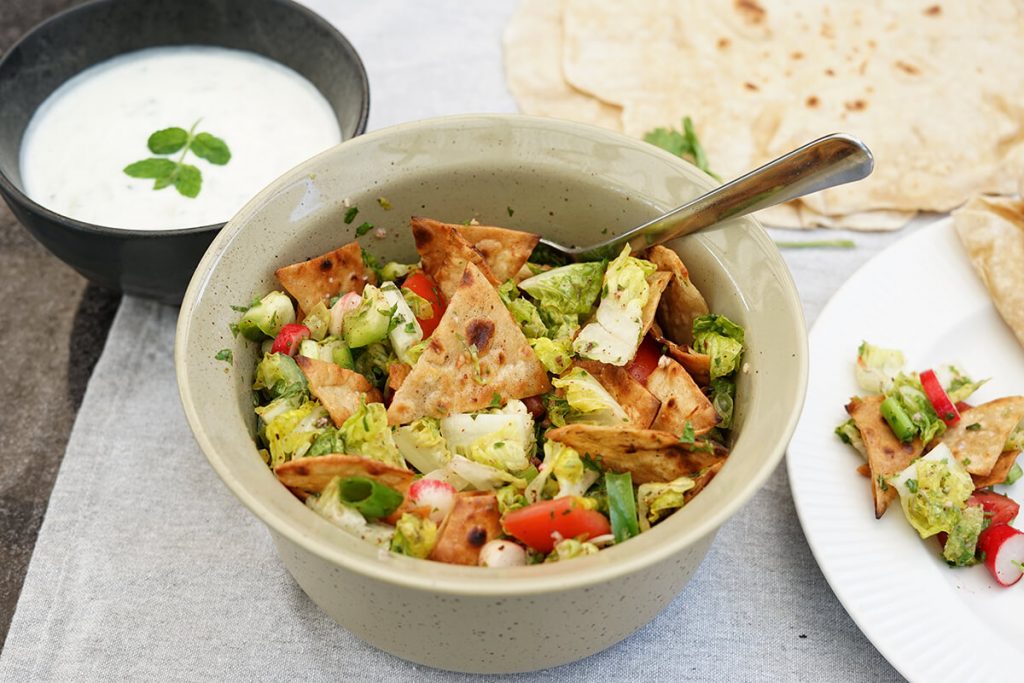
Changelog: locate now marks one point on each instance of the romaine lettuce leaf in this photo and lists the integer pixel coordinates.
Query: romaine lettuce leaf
(569, 290)
(877, 367)
(555, 355)
(366, 433)
(720, 338)
(586, 401)
(290, 434)
(422, 444)
(277, 375)
(657, 500)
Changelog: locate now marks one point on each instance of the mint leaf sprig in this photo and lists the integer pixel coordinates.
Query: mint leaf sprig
(186, 178)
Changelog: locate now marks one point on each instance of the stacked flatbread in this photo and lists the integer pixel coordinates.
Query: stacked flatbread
(935, 89)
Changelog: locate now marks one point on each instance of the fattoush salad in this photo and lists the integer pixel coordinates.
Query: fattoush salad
(490, 405)
(945, 459)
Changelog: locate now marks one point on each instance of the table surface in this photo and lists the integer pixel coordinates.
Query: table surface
(77, 317)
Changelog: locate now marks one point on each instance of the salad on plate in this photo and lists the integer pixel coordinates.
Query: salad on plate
(487, 405)
(945, 459)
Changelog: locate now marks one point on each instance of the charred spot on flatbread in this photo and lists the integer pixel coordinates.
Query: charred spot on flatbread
(340, 391)
(445, 254)
(647, 454)
(978, 439)
(474, 520)
(886, 454)
(454, 374)
(318, 279)
(305, 476)
(682, 302)
(640, 404)
(505, 251)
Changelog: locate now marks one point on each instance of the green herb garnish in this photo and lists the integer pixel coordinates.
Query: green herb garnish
(186, 178)
(495, 400)
(350, 215)
(683, 144)
(226, 356)
(363, 229)
(688, 435)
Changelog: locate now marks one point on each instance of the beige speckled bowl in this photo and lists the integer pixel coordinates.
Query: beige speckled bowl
(561, 179)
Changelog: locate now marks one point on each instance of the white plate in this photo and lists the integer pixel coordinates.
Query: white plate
(930, 621)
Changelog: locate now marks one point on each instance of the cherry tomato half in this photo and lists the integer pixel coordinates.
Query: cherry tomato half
(536, 524)
(421, 285)
(645, 360)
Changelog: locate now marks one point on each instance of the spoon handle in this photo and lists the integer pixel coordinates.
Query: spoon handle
(829, 161)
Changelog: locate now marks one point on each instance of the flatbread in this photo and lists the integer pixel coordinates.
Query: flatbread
(788, 71)
(447, 379)
(340, 391)
(318, 279)
(648, 455)
(887, 455)
(474, 520)
(640, 404)
(445, 253)
(397, 372)
(697, 364)
(978, 449)
(657, 282)
(533, 68)
(313, 474)
(681, 399)
(681, 302)
(999, 471)
(992, 232)
(505, 251)
(702, 479)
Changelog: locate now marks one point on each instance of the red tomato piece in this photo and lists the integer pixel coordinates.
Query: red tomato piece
(289, 338)
(645, 360)
(536, 524)
(421, 285)
(939, 399)
(998, 508)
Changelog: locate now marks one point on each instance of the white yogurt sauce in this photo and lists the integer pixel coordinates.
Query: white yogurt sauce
(81, 138)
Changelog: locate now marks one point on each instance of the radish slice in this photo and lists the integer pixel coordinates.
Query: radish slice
(435, 494)
(1004, 552)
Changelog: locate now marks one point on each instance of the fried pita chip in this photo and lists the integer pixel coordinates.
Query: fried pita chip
(312, 475)
(640, 404)
(682, 401)
(978, 448)
(476, 351)
(504, 250)
(318, 279)
(474, 520)
(397, 372)
(445, 253)
(682, 301)
(647, 454)
(999, 471)
(887, 455)
(657, 282)
(339, 390)
(702, 480)
(697, 364)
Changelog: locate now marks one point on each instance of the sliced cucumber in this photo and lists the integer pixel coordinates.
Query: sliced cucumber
(369, 322)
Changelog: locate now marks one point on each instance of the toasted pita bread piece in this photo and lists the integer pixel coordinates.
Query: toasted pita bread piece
(681, 399)
(340, 391)
(978, 448)
(476, 351)
(682, 301)
(640, 404)
(999, 471)
(647, 454)
(397, 372)
(318, 279)
(697, 364)
(473, 521)
(445, 254)
(887, 455)
(702, 480)
(312, 475)
(657, 281)
(504, 250)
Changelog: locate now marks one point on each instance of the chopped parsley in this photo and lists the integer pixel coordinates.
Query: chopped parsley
(688, 435)
(226, 356)
(973, 427)
(351, 214)
(363, 229)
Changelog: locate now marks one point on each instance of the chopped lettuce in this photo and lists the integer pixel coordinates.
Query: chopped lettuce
(318, 320)
(328, 441)
(461, 472)
(1015, 442)
(523, 312)
(570, 548)
(564, 468)
(877, 367)
(279, 406)
(291, 434)
(657, 500)
(555, 355)
(510, 498)
(849, 434)
(586, 401)
(366, 433)
(372, 363)
(422, 444)
(329, 506)
(393, 270)
(419, 306)
(277, 375)
(720, 338)
(933, 492)
(569, 290)
(503, 439)
(415, 536)
(907, 392)
(959, 386)
(615, 332)
(405, 331)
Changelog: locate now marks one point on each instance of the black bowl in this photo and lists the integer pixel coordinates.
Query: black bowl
(159, 263)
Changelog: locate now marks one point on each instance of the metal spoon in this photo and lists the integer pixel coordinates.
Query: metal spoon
(829, 161)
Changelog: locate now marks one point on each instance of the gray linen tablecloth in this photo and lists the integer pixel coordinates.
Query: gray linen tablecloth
(147, 568)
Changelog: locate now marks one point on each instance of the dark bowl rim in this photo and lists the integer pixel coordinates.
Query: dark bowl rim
(15, 194)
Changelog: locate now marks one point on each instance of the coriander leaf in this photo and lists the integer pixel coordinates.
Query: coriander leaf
(188, 180)
(213, 149)
(688, 435)
(350, 215)
(226, 356)
(150, 168)
(363, 229)
(683, 144)
(696, 149)
(167, 141)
